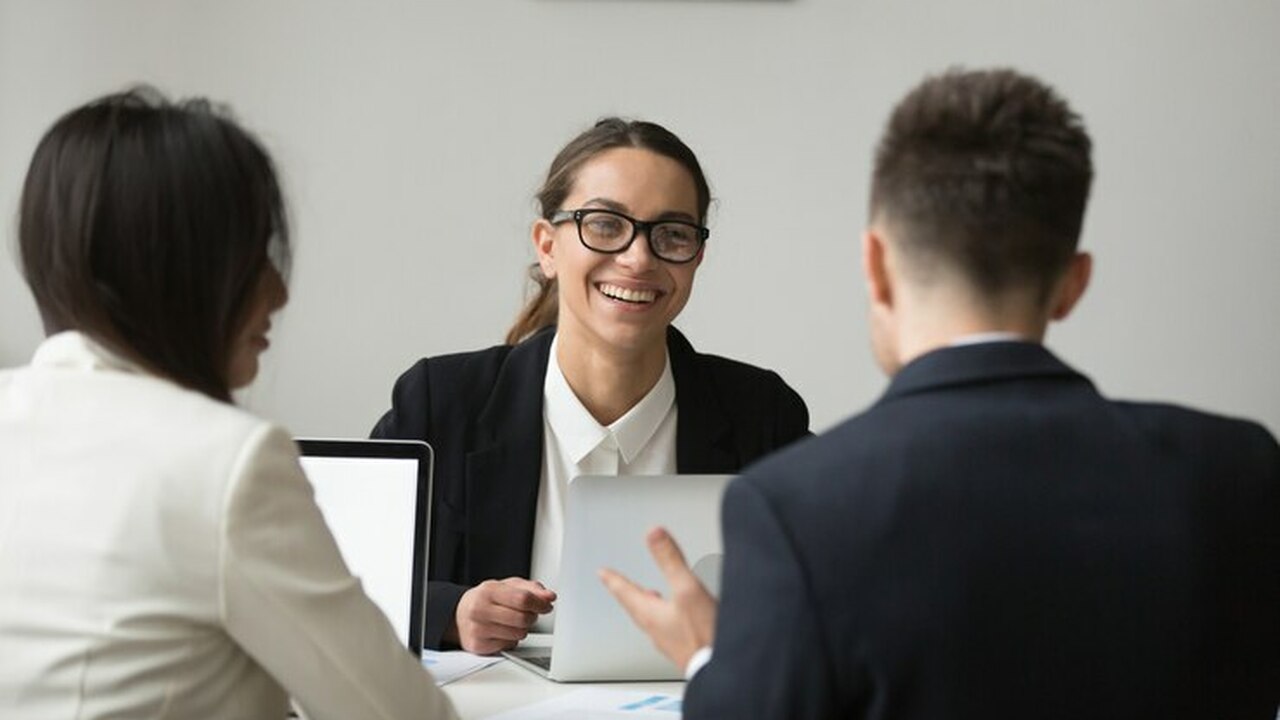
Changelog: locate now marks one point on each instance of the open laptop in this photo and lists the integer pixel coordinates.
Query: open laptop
(375, 496)
(606, 520)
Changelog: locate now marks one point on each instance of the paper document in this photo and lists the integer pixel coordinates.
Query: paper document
(594, 703)
(448, 666)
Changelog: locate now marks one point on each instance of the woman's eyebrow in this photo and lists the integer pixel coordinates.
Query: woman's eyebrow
(677, 215)
(607, 204)
(620, 207)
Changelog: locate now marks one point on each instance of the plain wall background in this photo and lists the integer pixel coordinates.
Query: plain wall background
(413, 135)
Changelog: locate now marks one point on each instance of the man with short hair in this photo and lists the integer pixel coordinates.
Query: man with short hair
(992, 538)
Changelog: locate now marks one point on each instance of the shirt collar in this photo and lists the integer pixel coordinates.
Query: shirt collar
(578, 432)
(72, 350)
(987, 337)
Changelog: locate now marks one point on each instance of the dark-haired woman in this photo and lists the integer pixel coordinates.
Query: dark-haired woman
(160, 551)
(593, 380)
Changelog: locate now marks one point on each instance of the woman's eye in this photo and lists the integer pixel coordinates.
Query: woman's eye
(604, 227)
(673, 234)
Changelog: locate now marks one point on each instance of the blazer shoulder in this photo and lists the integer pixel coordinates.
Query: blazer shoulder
(222, 425)
(468, 370)
(729, 374)
(735, 375)
(751, 395)
(132, 414)
(440, 386)
(1170, 424)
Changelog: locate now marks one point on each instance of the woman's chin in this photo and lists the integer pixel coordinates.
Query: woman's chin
(634, 336)
(243, 372)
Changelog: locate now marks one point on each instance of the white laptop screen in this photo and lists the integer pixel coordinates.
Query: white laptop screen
(372, 506)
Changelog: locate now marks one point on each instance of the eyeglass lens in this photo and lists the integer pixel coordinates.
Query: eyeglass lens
(607, 232)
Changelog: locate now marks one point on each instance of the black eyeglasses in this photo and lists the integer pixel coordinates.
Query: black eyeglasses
(607, 231)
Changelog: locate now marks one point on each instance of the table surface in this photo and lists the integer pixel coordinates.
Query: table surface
(506, 686)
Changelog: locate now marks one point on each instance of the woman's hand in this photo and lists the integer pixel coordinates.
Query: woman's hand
(497, 614)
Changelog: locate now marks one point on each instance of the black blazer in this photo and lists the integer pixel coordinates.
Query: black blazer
(482, 414)
(994, 539)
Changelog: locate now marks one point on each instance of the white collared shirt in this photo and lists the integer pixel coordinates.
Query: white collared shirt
(641, 442)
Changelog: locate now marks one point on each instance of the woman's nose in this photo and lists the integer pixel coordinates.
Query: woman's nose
(638, 254)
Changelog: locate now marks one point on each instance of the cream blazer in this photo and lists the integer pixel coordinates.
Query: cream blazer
(161, 556)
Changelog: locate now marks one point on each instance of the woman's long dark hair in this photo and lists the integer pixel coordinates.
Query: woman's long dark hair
(147, 225)
(607, 134)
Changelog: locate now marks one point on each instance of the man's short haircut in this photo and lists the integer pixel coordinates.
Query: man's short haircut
(984, 175)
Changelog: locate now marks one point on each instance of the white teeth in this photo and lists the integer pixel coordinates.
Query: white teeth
(627, 294)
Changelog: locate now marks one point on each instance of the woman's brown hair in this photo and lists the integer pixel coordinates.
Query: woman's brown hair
(606, 134)
(147, 226)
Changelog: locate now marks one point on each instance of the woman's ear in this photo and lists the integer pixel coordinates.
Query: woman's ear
(543, 235)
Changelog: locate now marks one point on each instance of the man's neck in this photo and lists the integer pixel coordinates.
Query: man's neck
(928, 332)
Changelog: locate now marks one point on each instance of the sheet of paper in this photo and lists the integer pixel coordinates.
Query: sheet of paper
(448, 666)
(595, 703)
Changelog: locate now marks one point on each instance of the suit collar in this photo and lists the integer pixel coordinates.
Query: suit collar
(703, 437)
(516, 399)
(504, 471)
(981, 363)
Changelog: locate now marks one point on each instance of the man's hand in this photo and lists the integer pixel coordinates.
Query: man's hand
(681, 626)
(497, 614)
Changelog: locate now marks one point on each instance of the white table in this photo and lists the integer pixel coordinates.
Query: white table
(506, 686)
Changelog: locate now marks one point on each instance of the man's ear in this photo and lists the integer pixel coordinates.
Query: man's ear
(875, 268)
(542, 234)
(1071, 286)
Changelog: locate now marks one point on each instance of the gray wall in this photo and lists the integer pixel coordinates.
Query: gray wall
(413, 135)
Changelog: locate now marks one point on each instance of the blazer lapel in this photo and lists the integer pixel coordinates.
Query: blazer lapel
(505, 470)
(704, 441)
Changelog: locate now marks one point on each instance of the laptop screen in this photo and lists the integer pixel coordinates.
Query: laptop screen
(374, 496)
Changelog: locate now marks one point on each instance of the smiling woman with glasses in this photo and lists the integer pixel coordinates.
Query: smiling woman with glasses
(591, 381)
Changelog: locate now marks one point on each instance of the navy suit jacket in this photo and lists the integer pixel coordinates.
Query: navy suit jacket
(481, 412)
(994, 539)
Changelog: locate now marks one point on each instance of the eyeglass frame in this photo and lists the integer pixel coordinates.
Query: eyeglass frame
(637, 227)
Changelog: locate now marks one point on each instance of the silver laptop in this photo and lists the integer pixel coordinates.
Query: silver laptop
(606, 520)
(375, 496)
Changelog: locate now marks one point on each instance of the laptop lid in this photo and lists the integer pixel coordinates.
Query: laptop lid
(375, 496)
(606, 520)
